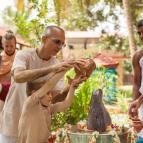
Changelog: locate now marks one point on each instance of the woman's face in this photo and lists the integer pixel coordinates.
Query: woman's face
(9, 46)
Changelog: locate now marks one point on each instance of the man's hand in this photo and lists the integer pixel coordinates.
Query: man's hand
(64, 66)
(78, 80)
(133, 109)
(134, 106)
(82, 67)
(137, 125)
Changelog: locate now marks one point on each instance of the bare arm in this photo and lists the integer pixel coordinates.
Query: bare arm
(137, 75)
(21, 75)
(61, 106)
(133, 108)
(39, 94)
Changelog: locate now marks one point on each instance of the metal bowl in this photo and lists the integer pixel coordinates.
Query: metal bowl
(77, 136)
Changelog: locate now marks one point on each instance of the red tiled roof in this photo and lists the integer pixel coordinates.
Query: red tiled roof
(119, 57)
(105, 60)
(18, 38)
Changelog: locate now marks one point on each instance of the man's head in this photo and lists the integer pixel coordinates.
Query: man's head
(53, 39)
(140, 28)
(9, 43)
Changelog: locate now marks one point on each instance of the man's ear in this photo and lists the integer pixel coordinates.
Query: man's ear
(43, 38)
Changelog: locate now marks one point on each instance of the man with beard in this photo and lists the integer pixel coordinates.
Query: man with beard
(6, 61)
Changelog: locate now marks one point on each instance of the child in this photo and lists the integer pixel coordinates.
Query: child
(35, 120)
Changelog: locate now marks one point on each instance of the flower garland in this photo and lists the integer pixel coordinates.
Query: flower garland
(132, 135)
(94, 137)
(62, 136)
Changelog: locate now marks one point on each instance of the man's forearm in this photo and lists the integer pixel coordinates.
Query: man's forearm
(44, 90)
(136, 93)
(22, 76)
(61, 106)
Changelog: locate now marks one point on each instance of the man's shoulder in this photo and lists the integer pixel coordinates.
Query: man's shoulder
(138, 54)
(28, 51)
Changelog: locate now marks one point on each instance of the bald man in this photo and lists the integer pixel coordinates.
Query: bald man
(31, 69)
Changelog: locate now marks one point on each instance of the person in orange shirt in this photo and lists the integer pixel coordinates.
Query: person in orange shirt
(6, 61)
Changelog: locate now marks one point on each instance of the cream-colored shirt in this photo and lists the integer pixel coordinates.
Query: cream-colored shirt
(34, 123)
(9, 118)
(35, 120)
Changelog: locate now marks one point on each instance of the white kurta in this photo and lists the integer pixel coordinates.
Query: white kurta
(35, 120)
(26, 59)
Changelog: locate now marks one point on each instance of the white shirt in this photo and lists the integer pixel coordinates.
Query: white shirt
(26, 59)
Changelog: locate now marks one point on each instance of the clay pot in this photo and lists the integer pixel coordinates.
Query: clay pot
(87, 69)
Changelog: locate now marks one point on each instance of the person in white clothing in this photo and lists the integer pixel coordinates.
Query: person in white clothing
(34, 124)
(136, 106)
(32, 68)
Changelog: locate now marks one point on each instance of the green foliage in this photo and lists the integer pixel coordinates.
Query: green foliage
(80, 15)
(79, 109)
(122, 102)
(74, 14)
(127, 65)
(84, 15)
(71, 14)
(124, 95)
(115, 43)
(126, 90)
(32, 21)
(8, 15)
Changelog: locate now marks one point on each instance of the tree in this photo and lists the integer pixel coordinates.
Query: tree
(20, 4)
(132, 44)
(70, 14)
